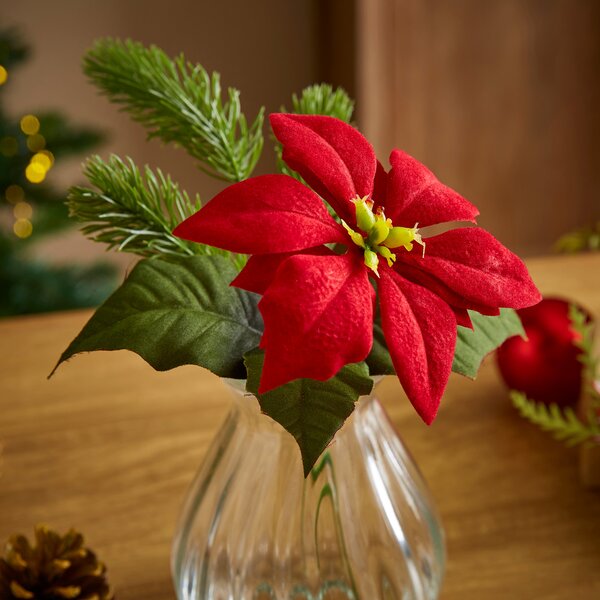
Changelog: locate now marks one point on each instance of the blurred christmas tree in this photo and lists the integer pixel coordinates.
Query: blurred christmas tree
(30, 208)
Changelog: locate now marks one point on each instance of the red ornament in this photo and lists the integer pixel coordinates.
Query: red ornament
(545, 366)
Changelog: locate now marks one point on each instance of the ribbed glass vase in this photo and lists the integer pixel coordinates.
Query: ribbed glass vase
(361, 527)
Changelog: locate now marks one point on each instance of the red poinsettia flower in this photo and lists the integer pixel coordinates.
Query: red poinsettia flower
(318, 305)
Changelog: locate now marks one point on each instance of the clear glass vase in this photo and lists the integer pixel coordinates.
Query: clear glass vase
(361, 527)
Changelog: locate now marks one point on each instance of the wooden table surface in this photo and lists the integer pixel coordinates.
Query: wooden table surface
(109, 446)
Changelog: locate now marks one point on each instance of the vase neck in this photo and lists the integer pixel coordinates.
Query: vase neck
(247, 412)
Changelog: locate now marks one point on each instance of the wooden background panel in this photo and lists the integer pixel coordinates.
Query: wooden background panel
(499, 98)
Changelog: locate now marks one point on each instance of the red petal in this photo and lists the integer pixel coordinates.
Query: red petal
(415, 195)
(260, 269)
(455, 300)
(332, 156)
(475, 265)
(420, 333)
(318, 315)
(271, 213)
(462, 317)
(380, 186)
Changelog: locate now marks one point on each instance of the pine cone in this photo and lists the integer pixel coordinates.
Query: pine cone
(56, 568)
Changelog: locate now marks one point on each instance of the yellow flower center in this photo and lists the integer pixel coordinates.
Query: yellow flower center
(378, 236)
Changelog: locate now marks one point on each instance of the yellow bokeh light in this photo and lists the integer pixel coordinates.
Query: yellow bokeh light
(30, 125)
(14, 193)
(23, 228)
(23, 210)
(49, 155)
(36, 142)
(9, 146)
(35, 173)
(43, 160)
(3, 75)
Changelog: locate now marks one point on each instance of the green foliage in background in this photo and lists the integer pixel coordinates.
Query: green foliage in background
(586, 239)
(33, 210)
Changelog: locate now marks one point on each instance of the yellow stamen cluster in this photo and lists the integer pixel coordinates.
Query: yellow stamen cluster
(377, 235)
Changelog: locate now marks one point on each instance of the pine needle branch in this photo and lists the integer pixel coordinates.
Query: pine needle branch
(584, 340)
(319, 99)
(322, 99)
(135, 211)
(564, 425)
(180, 103)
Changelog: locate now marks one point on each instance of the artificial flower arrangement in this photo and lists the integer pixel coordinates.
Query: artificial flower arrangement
(316, 278)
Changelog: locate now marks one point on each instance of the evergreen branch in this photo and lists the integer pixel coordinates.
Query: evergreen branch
(13, 49)
(134, 211)
(322, 99)
(564, 425)
(581, 240)
(180, 103)
(584, 340)
(319, 99)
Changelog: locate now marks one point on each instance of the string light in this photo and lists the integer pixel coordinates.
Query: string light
(14, 193)
(23, 210)
(22, 228)
(42, 159)
(3, 75)
(30, 125)
(49, 155)
(35, 173)
(36, 142)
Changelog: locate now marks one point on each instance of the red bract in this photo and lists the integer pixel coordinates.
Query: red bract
(318, 305)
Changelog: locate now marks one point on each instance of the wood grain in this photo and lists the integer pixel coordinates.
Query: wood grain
(499, 98)
(109, 446)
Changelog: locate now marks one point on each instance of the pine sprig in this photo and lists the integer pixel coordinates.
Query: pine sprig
(564, 425)
(134, 211)
(180, 103)
(584, 340)
(322, 99)
(319, 99)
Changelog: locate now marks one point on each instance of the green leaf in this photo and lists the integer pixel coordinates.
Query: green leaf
(379, 359)
(312, 411)
(176, 313)
(473, 345)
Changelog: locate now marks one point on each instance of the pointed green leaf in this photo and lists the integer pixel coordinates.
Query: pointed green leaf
(473, 345)
(176, 313)
(312, 411)
(379, 359)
